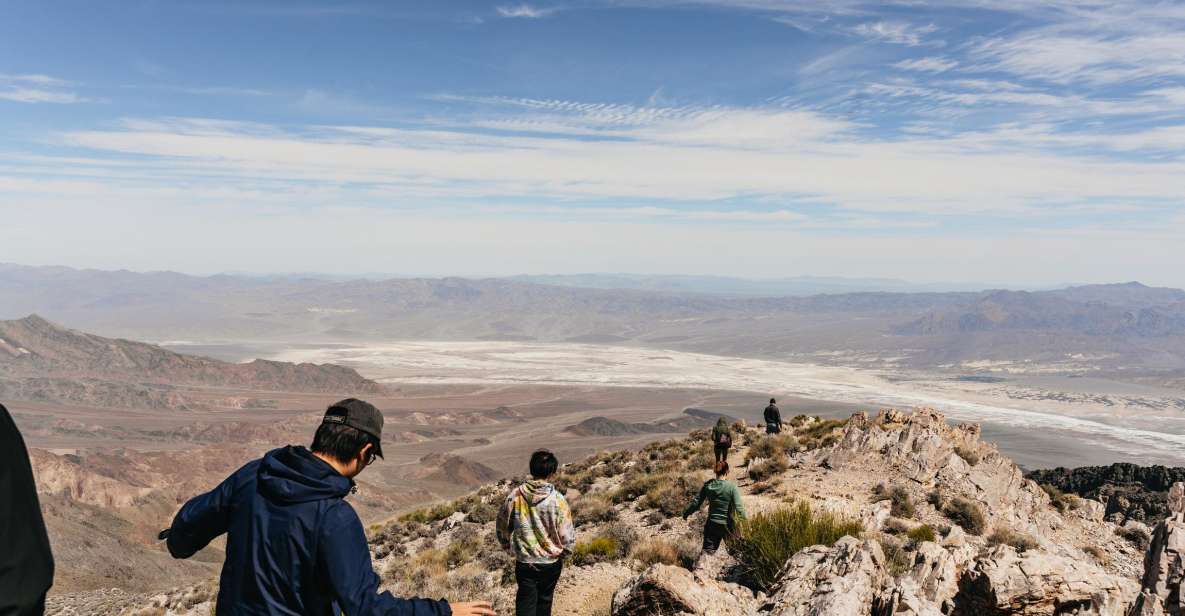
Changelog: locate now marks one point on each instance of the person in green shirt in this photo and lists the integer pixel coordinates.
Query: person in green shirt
(724, 506)
(721, 439)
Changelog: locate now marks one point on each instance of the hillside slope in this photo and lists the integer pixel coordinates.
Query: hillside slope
(940, 523)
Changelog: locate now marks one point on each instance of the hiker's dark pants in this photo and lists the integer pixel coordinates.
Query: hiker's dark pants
(721, 453)
(714, 533)
(773, 428)
(536, 585)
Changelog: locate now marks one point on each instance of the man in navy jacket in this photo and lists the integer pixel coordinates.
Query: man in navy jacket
(294, 546)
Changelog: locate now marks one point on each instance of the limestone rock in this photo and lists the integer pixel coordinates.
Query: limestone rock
(1038, 582)
(664, 590)
(1164, 570)
(842, 580)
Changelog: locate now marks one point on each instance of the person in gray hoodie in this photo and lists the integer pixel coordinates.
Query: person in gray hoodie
(724, 507)
(535, 524)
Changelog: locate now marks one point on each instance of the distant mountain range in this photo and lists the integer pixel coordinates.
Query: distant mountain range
(1130, 328)
(43, 361)
(729, 285)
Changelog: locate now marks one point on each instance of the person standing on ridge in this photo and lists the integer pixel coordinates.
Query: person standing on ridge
(535, 524)
(26, 562)
(773, 418)
(294, 545)
(721, 439)
(724, 507)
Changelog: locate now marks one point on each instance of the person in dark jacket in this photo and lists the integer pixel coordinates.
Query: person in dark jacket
(294, 546)
(724, 507)
(721, 439)
(26, 563)
(773, 418)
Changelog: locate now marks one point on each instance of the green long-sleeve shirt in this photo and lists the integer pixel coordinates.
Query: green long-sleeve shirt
(723, 499)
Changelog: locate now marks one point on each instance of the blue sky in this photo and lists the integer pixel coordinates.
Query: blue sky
(1033, 141)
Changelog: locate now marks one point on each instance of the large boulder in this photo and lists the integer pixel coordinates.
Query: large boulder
(1164, 564)
(664, 590)
(842, 580)
(1038, 583)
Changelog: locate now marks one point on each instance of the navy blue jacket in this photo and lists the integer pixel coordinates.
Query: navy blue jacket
(294, 547)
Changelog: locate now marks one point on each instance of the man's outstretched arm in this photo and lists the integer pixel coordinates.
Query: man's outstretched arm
(203, 518)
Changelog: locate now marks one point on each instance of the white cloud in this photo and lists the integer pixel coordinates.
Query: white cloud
(524, 11)
(927, 65)
(37, 89)
(897, 32)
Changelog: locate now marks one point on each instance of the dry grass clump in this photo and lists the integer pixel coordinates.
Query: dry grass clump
(465, 544)
(822, 433)
(655, 551)
(771, 446)
(1006, 536)
(764, 542)
(1135, 535)
(918, 534)
(1061, 501)
(969, 455)
(428, 515)
(766, 469)
(1097, 553)
(593, 509)
(672, 495)
(897, 558)
(902, 503)
(612, 543)
(967, 514)
(635, 485)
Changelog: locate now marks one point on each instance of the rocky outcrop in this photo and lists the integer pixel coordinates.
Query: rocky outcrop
(842, 580)
(1164, 565)
(1134, 492)
(1036, 582)
(674, 591)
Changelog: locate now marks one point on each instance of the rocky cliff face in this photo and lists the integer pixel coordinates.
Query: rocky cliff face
(1129, 491)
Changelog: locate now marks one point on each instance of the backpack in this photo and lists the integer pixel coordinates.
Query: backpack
(723, 439)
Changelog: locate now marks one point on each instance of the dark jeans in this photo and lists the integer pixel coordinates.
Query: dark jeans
(714, 533)
(536, 585)
(773, 428)
(721, 452)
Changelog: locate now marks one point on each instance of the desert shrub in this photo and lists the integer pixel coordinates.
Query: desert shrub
(1136, 535)
(482, 513)
(623, 534)
(967, 514)
(896, 526)
(653, 518)
(672, 496)
(764, 542)
(592, 509)
(761, 487)
(936, 499)
(428, 515)
(635, 485)
(1096, 553)
(496, 560)
(798, 420)
(969, 455)
(1061, 501)
(899, 496)
(654, 551)
(897, 559)
(595, 550)
(702, 459)
(773, 446)
(921, 533)
(821, 428)
(1006, 536)
(768, 468)
(463, 547)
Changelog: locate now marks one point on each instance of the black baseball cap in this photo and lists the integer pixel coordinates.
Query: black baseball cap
(360, 415)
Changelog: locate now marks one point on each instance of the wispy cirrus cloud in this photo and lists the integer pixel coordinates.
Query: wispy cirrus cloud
(35, 88)
(928, 64)
(524, 11)
(897, 32)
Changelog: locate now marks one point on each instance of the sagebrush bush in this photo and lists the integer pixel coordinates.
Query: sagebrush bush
(672, 496)
(766, 469)
(764, 542)
(921, 533)
(635, 485)
(1006, 536)
(897, 558)
(655, 551)
(967, 514)
(1061, 501)
(1137, 536)
(771, 446)
(428, 515)
(595, 550)
(592, 509)
(466, 542)
(969, 455)
(902, 503)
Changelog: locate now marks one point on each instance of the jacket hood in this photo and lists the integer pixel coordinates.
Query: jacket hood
(536, 491)
(294, 475)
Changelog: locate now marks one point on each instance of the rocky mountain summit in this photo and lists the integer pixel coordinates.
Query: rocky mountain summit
(897, 514)
(42, 361)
